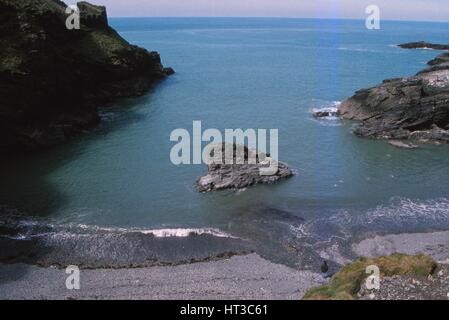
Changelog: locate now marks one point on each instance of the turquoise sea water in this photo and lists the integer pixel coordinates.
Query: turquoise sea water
(247, 73)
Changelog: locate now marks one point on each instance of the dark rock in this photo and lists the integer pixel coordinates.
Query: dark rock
(437, 67)
(92, 15)
(52, 80)
(326, 113)
(440, 59)
(404, 108)
(168, 71)
(424, 45)
(238, 176)
(324, 267)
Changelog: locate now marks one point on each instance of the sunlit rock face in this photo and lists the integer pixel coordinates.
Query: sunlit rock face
(415, 108)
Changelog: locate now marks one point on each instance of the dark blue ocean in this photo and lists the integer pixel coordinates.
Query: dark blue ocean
(247, 73)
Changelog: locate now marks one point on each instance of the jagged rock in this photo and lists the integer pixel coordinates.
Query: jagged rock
(238, 176)
(440, 59)
(92, 15)
(435, 134)
(323, 113)
(168, 71)
(424, 45)
(398, 108)
(52, 80)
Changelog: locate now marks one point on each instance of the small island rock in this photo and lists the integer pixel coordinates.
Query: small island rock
(239, 176)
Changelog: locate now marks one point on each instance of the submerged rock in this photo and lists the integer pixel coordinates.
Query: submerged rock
(238, 176)
(401, 144)
(52, 79)
(415, 108)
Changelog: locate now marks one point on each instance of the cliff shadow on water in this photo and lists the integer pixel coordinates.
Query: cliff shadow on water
(25, 185)
(30, 231)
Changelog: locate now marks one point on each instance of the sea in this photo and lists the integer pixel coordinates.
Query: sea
(116, 186)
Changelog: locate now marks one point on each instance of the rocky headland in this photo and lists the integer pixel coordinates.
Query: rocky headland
(225, 175)
(412, 108)
(52, 79)
(424, 45)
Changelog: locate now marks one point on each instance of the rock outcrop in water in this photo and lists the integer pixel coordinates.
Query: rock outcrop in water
(238, 176)
(52, 79)
(413, 108)
(326, 112)
(424, 45)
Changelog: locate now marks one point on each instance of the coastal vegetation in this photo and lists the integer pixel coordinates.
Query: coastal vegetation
(346, 283)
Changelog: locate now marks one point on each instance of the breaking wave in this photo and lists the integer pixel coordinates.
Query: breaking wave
(38, 242)
(330, 107)
(13, 225)
(400, 215)
(182, 233)
(401, 211)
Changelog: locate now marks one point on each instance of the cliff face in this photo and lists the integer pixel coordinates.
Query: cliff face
(53, 79)
(413, 108)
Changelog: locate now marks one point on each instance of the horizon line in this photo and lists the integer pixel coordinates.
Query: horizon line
(270, 17)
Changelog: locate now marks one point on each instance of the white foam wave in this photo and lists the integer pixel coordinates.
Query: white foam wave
(185, 232)
(399, 215)
(400, 212)
(330, 107)
(163, 233)
(326, 106)
(30, 228)
(331, 110)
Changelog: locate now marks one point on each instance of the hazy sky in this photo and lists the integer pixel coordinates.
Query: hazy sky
(390, 9)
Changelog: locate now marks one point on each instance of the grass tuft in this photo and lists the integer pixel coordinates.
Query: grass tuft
(345, 284)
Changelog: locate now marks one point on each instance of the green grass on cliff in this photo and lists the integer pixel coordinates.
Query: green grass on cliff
(109, 42)
(345, 284)
(10, 62)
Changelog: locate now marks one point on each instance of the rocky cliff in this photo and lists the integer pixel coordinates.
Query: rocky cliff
(236, 171)
(52, 79)
(411, 108)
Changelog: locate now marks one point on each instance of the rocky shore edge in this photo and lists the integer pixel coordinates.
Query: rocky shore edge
(410, 109)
